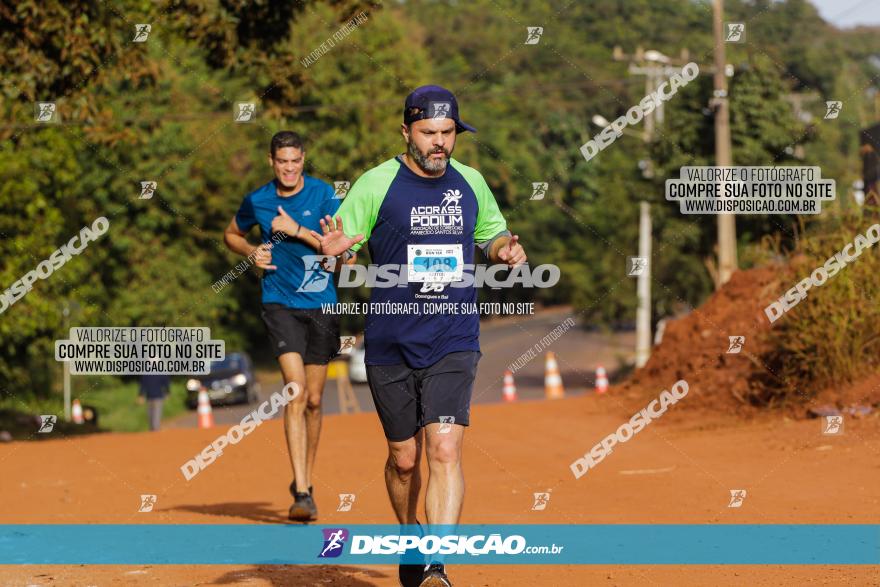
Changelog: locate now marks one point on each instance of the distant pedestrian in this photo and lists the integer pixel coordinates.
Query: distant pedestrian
(154, 388)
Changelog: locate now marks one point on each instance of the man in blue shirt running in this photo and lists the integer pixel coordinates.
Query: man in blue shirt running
(304, 338)
(425, 211)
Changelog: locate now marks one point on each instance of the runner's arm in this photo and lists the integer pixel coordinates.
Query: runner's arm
(349, 257)
(492, 247)
(490, 232)
(308, 239)
(235, 240)
(506, 249)
(357, 209)
(244, 220)
(330, 207)
(346, 258)
(284, 223)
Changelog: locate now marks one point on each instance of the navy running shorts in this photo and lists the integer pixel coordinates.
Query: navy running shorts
(408, 399)
(311, 333)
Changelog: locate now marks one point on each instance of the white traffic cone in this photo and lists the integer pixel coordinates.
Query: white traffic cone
(206, 416)
(76, 412)
(601, 380)
(509, 390)
(552, 379)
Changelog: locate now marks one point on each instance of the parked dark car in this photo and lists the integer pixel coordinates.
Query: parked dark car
(230, 381)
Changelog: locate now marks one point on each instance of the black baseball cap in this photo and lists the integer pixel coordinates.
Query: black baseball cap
(433, 102)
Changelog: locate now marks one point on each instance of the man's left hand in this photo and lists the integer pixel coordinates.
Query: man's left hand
(284, 223)
(512, 252)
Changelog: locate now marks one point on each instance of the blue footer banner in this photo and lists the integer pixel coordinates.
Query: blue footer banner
(370, 544)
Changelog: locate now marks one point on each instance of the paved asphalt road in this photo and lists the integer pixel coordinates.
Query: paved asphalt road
(503, 341)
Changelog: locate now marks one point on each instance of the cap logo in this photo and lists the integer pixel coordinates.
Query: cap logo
(440, 110)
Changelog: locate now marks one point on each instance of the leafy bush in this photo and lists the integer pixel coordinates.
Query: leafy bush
(833, 335)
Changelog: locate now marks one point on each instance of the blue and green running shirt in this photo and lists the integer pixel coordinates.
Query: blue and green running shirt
(401, 213)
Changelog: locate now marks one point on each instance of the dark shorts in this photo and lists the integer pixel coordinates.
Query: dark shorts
(311, 333)
(409, 399)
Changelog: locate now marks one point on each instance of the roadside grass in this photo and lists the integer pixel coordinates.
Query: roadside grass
(113, 400)
(833, 335)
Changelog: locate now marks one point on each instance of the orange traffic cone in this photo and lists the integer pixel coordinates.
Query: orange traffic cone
(601, 380)
(552, 380)
(206, 416)
(509, 391)
(76, 412)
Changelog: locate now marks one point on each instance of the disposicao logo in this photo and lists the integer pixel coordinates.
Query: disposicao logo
(318, 270)
(334, 540)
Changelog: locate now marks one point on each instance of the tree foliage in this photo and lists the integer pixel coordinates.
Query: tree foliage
(163, 111)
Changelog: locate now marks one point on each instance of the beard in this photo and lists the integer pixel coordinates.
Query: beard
(424, 161)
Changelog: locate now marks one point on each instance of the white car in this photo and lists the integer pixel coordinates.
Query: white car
(357, 369)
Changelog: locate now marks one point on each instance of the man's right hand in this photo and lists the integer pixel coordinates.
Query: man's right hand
(263, 256)
(334, 241)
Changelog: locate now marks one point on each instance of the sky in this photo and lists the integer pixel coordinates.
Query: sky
(848, 13)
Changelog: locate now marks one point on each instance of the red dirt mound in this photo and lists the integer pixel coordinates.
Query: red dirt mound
(695, 347)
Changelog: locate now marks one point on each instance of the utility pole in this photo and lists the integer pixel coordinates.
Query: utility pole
(727, 263)
(657, 68)
(653, 117)
(643, 288)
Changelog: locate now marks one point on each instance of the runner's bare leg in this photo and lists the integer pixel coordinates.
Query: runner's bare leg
(316, 375)
(445, 493)
(294, 419)
(403, 478)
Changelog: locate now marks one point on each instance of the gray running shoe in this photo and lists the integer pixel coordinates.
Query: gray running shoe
(303, 508)
(435, 576)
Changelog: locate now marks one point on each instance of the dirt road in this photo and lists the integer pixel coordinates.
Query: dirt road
(502, 341)
(677, 472)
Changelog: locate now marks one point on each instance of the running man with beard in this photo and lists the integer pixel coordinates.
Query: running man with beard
(303, 337)
(417, 210)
